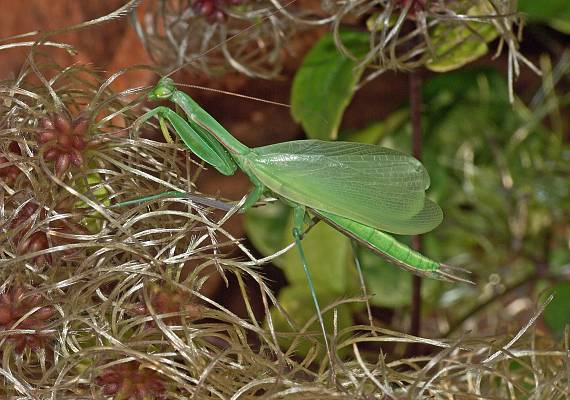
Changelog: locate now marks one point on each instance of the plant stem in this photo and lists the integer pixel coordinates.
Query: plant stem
(415, 87)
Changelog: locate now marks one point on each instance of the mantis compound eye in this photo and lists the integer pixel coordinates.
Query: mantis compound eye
(160, 93)
(163, 89)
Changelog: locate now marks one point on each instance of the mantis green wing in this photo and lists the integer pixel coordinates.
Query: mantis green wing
(378, 187)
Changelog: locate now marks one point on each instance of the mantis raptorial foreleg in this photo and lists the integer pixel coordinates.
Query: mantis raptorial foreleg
(203, 145)
(145, 117)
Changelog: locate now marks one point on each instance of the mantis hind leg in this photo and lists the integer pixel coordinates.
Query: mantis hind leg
(362, 283)
(299, 219)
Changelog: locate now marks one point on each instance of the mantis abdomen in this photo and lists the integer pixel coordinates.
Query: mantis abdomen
(382, 244)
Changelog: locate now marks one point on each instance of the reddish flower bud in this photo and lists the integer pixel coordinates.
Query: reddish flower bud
(131, 381)
(14, 304)
(65, 141)
(61, 123)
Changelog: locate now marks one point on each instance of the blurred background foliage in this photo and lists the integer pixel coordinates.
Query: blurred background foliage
(498, 167)
(502, 178)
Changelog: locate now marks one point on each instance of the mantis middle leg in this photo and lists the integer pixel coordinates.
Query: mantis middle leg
(299, 221)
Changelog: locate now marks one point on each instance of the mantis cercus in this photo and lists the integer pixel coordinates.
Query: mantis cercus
(359, 189)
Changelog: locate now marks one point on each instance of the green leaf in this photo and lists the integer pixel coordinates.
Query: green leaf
(459, 45)
(444, 92)
(557, 314)
(562, 25)
(554, 12)
(377, 131)
(325, 84)
(327, 252)
(90, 186)
(545, 10)
(266, 228)
(298, 303)
(389, 285)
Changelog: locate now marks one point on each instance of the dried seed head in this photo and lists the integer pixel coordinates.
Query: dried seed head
(14, 304)
(131, 380)
(24, 214)
(207, 25)
(167, 301)
(37, 240)
(415, 6)
(9, 173)
(64, 141)
(214, 10)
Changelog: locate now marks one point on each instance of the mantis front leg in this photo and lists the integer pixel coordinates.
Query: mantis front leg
(155, 112)
(199, 142)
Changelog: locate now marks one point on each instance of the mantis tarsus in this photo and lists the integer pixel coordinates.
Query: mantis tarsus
(359, 189)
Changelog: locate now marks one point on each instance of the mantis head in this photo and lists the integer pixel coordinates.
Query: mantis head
(163, 90)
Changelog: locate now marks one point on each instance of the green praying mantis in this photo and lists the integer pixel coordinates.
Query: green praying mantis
(361, 190)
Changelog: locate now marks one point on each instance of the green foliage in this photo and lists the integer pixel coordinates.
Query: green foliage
(544, 10)
(376, 131)
(554, 12)
(325, 84)
(92, 186)
(557, 313)
(265, 228)
(459, 45)
(327, 251)
(297, 301)
(498, 174)
(326, 81)
(389, 286)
